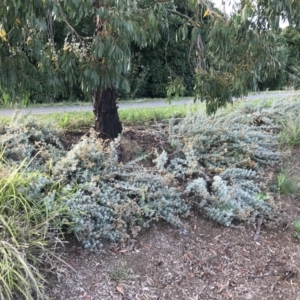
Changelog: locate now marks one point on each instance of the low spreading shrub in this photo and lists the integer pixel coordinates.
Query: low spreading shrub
(104, 198)
(26, 137)
(232, 195)
(108, 200)
(220, 158)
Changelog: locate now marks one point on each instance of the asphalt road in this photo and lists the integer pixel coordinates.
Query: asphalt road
(124, 105)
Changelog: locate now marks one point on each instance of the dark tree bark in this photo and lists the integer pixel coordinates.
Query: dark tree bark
(104, 101)
(106, 113)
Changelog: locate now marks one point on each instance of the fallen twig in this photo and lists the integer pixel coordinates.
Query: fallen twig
(258, 226)
(259, 276)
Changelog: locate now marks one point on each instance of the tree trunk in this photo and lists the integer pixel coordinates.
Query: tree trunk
(106, 113)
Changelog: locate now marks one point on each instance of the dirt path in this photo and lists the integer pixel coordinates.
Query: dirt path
(124, 105)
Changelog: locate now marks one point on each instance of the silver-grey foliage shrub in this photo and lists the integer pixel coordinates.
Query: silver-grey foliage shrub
(26, 138)
(220, 142)
(218, 157)
(273, 112)
(108, 200)
(233, 195)
(99, 197)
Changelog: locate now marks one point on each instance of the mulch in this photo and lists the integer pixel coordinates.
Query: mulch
(204, 261)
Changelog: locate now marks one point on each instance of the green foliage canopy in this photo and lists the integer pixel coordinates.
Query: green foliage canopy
(238, 51)
(291, 40)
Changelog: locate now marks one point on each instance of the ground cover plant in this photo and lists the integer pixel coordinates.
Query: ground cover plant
(225, 153)
(105, 199)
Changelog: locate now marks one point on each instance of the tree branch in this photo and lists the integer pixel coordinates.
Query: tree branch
(63, 16)
(183, 16)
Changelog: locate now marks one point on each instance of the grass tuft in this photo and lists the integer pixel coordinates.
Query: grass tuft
(290, 131)
(287, 183)
(120, 272)
(297, 228)
(24, 225)
(70, 120)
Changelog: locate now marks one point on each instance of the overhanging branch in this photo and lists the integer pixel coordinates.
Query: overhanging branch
(63, 16)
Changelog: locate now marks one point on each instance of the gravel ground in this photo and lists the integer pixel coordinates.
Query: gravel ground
(206, 262)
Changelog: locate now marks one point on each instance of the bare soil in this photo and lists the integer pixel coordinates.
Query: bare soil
(205, 261)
